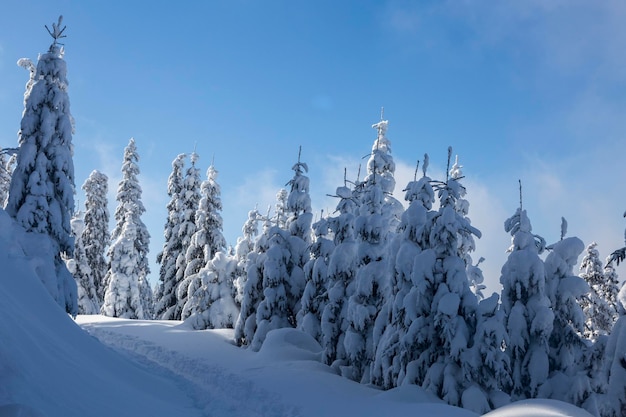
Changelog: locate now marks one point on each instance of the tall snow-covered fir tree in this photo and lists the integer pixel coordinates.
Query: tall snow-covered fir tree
(165, 297)
(315, 295)
(281, 214)
(189, 201)
(342, 270)
(452, 317)
(599, 305)
(129, 209)
(5, 178)
(568, 380)
(205, 243)
(610, 290)
(123, 296)
(78, 265)
(461, 206)
(288, 252)
(246, 326)
(210, 272)
(299, 213)
(527, 309)
(614, 404)
(614, 360)
(466, 242)
(95, 235)
(378, 218)
(41, 195)
(245, 246)
(275, 310)
(208, 238)
(394, 348)
(488, 363)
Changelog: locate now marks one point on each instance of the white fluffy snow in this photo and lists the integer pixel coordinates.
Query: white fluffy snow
(538, 408)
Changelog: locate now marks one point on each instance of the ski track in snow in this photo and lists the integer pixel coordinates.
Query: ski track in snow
(214, 390)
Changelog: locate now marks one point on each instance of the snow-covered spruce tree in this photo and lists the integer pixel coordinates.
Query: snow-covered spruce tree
(208, 238)
(78, 265)
(147, 296)
(568, 380)
(246, 326)
(95, 235)
(206, 242)
(281, 215)
(342, 269)
(165, 297)
(123, 294)
(466, 242)
(274, 310)
(461, 206)
(129, 209)
(5, 178)
(41, 195)
(452, 311)
(487, 360)
(528, 316)
(600, 315)
(288, 252)
(299, 213)
(393, 350)
(189, 202)
(315, 294)
(210, 303)
(610, 289)
(593, 364)
(378, 218)
(486, 363)
(245, 246)
(614, 366)
(614, 403)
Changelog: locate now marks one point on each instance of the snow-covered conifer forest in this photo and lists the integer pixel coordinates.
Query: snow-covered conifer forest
(381, 300)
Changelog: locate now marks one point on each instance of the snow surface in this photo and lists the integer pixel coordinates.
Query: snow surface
(538, 408)
(101, 367)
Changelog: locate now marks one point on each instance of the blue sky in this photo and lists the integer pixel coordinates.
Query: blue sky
(532, 90)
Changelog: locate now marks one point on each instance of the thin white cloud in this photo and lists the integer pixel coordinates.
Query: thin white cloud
(559, 36)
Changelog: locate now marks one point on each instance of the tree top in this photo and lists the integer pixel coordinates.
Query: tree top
(56, 32)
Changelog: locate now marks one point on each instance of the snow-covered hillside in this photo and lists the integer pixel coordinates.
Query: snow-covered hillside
(48, 363)
(50, 366)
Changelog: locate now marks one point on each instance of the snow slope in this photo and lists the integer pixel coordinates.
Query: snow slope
(48, 363)
(49, 366)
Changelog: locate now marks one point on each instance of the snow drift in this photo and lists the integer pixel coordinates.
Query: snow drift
(49, 366)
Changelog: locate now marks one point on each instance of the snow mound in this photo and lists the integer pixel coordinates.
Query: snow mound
(409, 393)
(292, 345)
(538, 408)
(51, 367)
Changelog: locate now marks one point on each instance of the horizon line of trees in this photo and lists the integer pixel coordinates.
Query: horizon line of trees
(390, 293)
